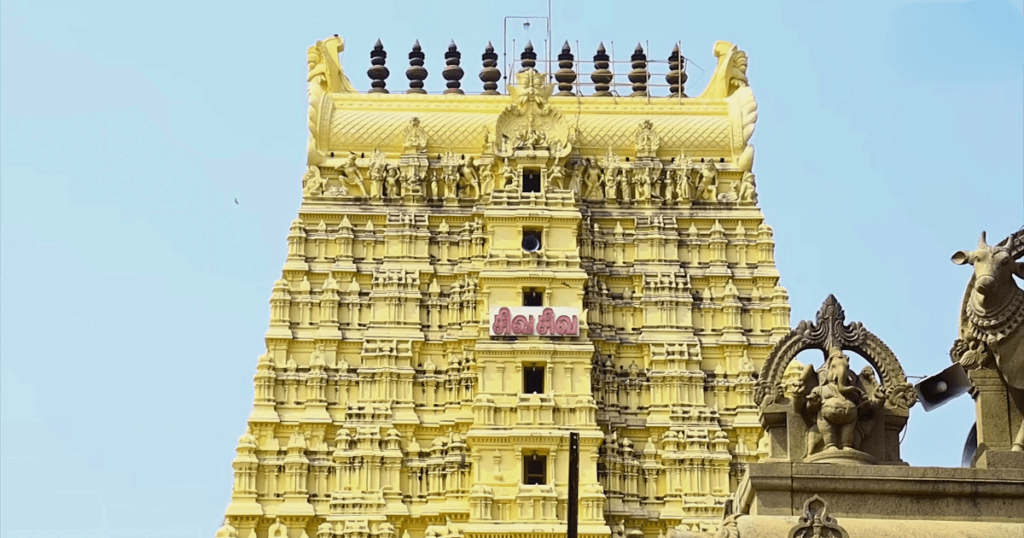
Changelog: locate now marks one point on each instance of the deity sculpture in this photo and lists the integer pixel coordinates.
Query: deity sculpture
(352, 178)
(610, 183)
(415, 140)
(592, 180)
(576, 178)
(624, 180)
(746, 192)
(469, 182)
(670, 186)
(391, 181)
(508, 175)
(835, 402)
(707, 189)
(312, 183)
(556, 176)
(486, 180)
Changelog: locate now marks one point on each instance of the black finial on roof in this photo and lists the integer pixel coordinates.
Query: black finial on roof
(565, 74)
(490, 74)
(452, 71)
(416, 72)
(639, 75)
(378, 73)
(601, 76)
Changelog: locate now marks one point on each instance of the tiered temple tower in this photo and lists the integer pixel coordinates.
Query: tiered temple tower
(472, 277)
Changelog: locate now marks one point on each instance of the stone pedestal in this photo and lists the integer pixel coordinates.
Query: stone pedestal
(998, 421)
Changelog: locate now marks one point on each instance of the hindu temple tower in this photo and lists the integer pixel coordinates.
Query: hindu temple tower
(471, 277)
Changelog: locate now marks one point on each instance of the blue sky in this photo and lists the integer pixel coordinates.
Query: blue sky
(134, 289)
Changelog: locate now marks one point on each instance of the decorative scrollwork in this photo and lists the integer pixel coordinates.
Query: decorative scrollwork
(829, 331)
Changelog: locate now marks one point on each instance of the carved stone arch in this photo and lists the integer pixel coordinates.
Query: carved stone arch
(829, 331)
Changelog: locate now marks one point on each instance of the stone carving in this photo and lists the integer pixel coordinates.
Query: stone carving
(469, 181)
(312, 183)
(449, 176)
(391, 182)
(486, 180)
(324, 76)
(509, 178)
(730, 73)
(529, 122)
(992, 314)
(592, 180)
(556, 176)
(378, 169)
(414, 138)
(816, 523)
(351, 178)
(707, 184)
(746, 191)
(847, 418)
(647, 141)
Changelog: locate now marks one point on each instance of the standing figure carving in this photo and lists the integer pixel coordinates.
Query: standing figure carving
(391, 181)
(592, 180)
(707, 188)
(469, 182)
(610, 183)
(352, 178)
(992, 314)
(556, 176)
(508, 175)
(746, 192)
(486, 180)
(378, 168)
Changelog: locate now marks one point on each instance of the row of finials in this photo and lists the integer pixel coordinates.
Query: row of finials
(602, 78)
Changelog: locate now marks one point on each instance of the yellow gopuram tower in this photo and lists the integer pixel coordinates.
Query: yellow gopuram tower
(472, 277)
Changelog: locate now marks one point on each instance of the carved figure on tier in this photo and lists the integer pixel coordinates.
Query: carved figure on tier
(991, 320)
(647, 141)
(433, 184)
(624, 184)
(707, 188)
(449, 175)
(508, 175)
(847, 418)
(834, 401)
(576, 177)
(351, 178)
(592, 180)
(312, 183)
(556, 176)
(391, 182)
(486, 180)
(415, 137)
(378, 168)
(610, 183)
(669, 185)
(469, 182)
(746, 192)
(412, 181)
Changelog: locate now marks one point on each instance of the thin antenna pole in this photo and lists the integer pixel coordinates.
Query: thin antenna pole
(549, 41)
(647, 74)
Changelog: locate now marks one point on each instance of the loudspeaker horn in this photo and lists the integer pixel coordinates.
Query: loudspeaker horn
(531, 243)
(942, 387)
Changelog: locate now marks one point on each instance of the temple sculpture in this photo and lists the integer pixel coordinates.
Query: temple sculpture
(471, 277)
(990, 347)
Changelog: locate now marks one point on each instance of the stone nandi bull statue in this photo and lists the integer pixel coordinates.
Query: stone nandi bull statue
(992, 316)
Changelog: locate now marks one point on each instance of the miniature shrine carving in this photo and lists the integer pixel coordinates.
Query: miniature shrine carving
(846, 418)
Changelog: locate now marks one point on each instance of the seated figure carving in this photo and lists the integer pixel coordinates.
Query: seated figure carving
(835, 398)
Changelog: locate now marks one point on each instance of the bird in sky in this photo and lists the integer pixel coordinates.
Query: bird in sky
(236, 201)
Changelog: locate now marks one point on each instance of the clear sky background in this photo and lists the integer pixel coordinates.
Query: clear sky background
(135, 291)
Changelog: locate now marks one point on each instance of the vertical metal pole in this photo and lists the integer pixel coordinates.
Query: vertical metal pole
(572, 514)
